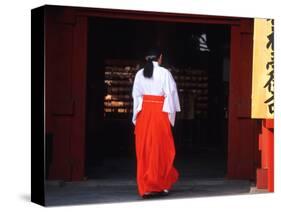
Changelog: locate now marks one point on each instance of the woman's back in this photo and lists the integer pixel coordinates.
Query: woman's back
(153, 85)
(158, 81)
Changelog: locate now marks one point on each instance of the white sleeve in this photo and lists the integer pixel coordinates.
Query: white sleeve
(171, 102)
(137, 98)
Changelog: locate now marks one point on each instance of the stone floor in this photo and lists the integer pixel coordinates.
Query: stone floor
(114, 181)
(110, 191)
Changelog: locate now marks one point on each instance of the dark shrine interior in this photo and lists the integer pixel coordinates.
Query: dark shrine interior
(198, 57)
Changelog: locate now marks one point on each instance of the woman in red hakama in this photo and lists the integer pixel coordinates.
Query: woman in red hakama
(155, 105)
(154, 147)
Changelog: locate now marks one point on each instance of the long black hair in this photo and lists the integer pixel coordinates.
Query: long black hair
(152, 55)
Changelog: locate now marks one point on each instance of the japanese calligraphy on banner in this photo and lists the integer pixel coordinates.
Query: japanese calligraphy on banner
(263, 69)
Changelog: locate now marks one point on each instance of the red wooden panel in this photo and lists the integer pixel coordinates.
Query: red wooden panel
(271, 161)
(246, 150)
(61, 163)
(269, 123)
(61, 14)
(156, 16)
(66, 65)
(58, 67)
(233, 124)
(247, 25)
(245, 75)
(243, 131)
(63, 107)
(60, 62)
(262, 178)
(59, 101)
(79, 95)
(266, 145)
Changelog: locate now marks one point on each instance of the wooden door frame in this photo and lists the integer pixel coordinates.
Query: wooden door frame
(81, 16)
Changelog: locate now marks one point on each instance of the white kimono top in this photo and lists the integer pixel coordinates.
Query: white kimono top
(161, 83)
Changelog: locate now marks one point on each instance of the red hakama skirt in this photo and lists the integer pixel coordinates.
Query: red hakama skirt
(155, 150)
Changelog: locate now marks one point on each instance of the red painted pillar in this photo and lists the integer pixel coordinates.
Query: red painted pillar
(265, 174)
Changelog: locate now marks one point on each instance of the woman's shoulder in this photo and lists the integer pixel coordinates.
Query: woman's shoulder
(165, 71)
(139, 72)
